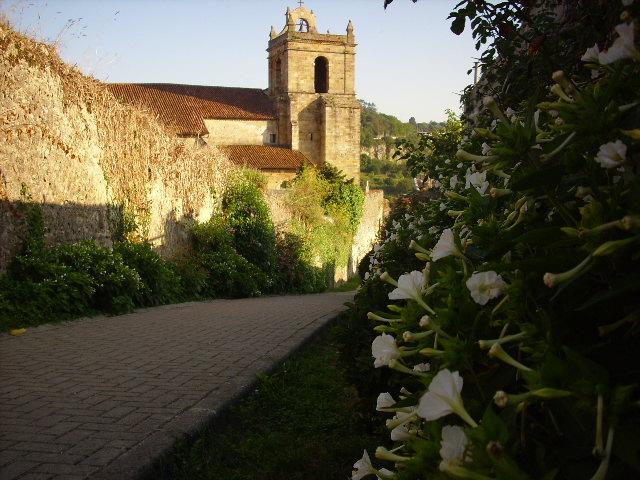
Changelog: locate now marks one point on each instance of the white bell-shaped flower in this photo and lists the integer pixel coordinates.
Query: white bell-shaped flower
(383, 350)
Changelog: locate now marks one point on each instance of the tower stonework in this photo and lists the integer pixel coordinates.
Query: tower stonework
(312, 80)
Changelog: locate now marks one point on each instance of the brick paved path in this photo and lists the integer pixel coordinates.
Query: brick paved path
(103, 397)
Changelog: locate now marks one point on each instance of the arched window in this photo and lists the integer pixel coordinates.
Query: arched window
(321, 77)
(303, 26)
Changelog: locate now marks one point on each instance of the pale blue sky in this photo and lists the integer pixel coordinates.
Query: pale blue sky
(408, 61)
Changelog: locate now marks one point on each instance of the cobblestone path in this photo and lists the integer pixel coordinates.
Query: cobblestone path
(103, 397)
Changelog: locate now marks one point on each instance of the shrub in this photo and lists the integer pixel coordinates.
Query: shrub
(66, 281)
(249, 219)
(115, 284)
(513, 320)
(160, 282)
(296, 272)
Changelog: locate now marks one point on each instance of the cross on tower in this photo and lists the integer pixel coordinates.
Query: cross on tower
(300, 2)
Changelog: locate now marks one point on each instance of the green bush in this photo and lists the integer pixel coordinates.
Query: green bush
(160, 282)
(115, 284)
(228, 274)
(512, 316)
(248, 217)
(66, 281)
(296, 272)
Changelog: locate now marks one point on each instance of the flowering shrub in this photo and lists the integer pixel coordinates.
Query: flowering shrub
(516, 337)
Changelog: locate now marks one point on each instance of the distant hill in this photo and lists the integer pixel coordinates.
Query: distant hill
(379, 130)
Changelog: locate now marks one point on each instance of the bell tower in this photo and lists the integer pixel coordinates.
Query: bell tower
(312, 80)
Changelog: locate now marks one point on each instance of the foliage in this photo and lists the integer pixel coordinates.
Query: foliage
(160, 282)
(513, 325)
(228, 274)
(295, 266)
(237, 246)
(524, 42)
(255, 438)
(248, 217)
(66, 281)
(437, 147)
(326, 210)
(392, 177)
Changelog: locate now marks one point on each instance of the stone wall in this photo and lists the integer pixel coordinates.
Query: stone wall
(240, 132)
(365, 237)
(67, 144)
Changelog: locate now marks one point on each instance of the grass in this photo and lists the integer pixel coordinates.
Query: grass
(303, 422)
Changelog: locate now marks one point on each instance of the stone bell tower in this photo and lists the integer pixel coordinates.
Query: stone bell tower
(312, 80)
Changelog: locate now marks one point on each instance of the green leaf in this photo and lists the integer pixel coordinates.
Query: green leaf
(629, 284)
(537, 178)
(457, 26)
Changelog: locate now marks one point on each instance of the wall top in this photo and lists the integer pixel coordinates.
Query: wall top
(301, 20)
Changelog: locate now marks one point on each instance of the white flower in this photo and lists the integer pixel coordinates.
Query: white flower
(421, 367)
(433, 230)
(452, 446)
(443, 398)
(478, 180)
(445, 246)
(363, 468)
(459, 165)
(383, 350)
(485, 286)
(453, 181)
(409, 286)
(366, 275)
(623, 46)
(443, 206)
(486, 149)
(611, 154)
(400, 433)
(385, 400)
(591, 55)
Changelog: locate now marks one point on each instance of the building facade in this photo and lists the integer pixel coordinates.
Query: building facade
(308, 114)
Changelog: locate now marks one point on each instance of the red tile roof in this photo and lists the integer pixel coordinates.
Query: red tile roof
(264, 157)
(183, 107)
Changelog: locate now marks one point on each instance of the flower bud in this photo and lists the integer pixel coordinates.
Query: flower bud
(630, 222)
(374, 316)
(557, 90)
(385, 277)
(431, 352)
(499, 192)
(470, 157)
(611, 247)
(494, 448)
(496, 351)
(424, 321)
(501, 398)
(416, 246)
(384, 454)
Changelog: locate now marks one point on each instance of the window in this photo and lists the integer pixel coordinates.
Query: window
(272, 138)
(303, 26)
(321, 77)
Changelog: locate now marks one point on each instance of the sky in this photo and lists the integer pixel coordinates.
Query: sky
(407, 60)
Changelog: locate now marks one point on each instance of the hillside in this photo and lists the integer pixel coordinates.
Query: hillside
(379, 133)
(379, 130)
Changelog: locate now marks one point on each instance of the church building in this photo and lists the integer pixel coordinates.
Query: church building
(308, 114)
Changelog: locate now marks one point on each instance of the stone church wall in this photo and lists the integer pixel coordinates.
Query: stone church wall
(240, 132)
(68, 145)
